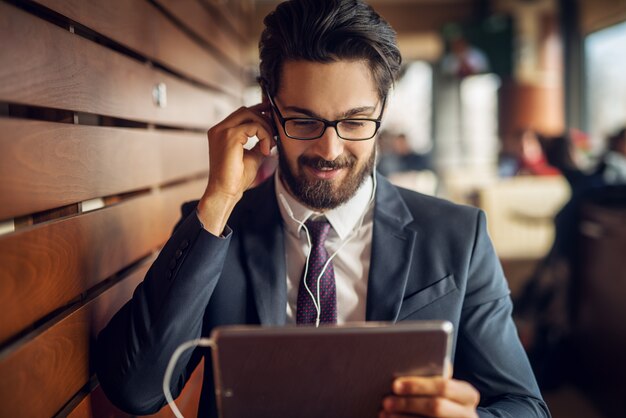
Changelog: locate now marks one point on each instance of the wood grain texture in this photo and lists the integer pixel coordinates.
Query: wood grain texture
(232, 15)
(44, 65)
(206, 26)
(56, 363)
(189, 399)
(45, 165)
(599, 14)
(50, 265)
(96, 404)
(406, 17)
(141, 27)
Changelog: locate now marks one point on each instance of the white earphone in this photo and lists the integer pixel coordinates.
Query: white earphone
(206, 342)
(167, 378)
(353, 233)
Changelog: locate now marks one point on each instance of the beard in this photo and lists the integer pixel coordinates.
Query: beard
(321, 194)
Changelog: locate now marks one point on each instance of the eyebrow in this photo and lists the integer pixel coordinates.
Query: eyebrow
(355, 111)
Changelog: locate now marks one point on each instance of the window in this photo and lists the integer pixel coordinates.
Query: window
(605, 84)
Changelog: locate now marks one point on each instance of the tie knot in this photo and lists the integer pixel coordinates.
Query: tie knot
(318, 230)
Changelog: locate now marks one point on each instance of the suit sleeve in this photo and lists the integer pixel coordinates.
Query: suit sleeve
(166, 310)
(489, 354)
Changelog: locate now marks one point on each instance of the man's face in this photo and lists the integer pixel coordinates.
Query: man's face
(326, 172)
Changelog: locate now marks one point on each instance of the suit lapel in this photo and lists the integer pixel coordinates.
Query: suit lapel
(392, 254)
(264, 250)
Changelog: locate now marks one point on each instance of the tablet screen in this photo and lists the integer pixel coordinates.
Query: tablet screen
(336, 371)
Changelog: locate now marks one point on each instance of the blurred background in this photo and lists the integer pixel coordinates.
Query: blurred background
(519, 107)
(514, 106)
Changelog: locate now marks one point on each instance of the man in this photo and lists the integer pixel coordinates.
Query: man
(238, 256)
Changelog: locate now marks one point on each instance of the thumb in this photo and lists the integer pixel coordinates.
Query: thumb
(448, 369)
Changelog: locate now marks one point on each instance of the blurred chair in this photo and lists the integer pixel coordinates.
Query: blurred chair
(423, 181)
(520, 212)
(599, 297)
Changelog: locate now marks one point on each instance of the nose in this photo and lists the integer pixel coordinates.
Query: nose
(329, 146)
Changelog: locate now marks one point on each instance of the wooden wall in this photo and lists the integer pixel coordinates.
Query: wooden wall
(600, 14)
(94, 164)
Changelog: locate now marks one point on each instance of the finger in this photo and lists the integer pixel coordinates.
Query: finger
(448, 369)
(263, 108)
(455, 390)
(260, 107)
(239, 136)
(428, 406)
(252, 161)
(266, 140)
(257, 113)
(265, 111)
(265, 145)
(384, 414)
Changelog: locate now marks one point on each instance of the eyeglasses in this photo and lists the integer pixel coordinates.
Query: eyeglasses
(350, 129)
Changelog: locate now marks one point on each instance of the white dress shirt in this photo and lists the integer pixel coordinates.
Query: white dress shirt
(352, 221)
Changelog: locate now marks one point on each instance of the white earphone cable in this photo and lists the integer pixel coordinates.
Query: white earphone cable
(353, 233)
(206, 342)
(202, 342)
(283, 201)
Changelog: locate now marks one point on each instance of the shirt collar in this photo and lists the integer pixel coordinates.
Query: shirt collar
(343, 219)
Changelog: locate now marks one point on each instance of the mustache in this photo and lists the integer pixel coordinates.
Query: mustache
(343, 161)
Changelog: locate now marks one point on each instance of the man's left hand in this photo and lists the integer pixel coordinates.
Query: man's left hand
(431, 397)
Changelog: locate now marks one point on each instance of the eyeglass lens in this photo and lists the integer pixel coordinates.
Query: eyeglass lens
(347, 129)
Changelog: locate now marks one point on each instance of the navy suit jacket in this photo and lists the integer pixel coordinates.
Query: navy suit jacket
(431, 259)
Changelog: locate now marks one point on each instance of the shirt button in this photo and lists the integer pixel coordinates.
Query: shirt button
(184, 244)
(178, 253)
(172, 264)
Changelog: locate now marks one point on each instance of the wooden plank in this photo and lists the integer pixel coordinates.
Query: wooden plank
(140, 26)
(205, 25)
(189, 398)
(56, 362)
(85, 409)
(45, 165)
(44, 65)
(50, 265)
(599, 14)
(406, 17)
(97, 405)
(231, 14)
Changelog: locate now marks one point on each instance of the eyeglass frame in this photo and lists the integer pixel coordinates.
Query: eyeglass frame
(327, 123)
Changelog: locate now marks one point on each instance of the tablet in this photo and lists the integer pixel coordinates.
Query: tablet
(335, 371)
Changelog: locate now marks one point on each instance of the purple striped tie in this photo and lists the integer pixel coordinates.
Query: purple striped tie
(306, 312)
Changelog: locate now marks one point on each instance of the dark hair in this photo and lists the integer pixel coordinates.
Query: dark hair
(327, 31)
(617, 140)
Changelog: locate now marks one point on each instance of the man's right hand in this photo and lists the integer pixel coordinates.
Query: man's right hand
(232, 168)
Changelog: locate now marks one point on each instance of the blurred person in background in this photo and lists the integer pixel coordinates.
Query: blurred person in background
(546, 310)
(522, 154)
(396, 155)
(614, 160)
